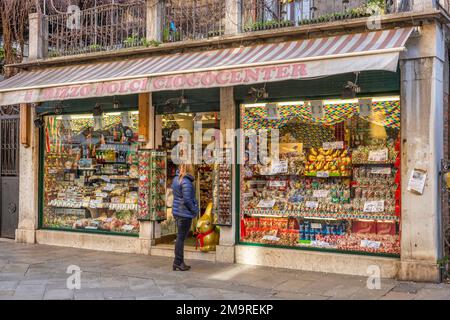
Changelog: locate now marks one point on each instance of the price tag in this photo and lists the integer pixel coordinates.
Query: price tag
(105, 178)
(378, 155)
(333, 145)
(280, 167)
(323, 174)
(101, 195)
(277, 184)
(128, 228)
(312, 204)
(266, 204)
(386, 170)
(109, 187)
(316, 225)
(321, 193)
(370, 244)
(374, 206)
(271, 238)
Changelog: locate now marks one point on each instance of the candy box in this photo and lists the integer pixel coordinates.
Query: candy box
(386, 228)
(364, 227)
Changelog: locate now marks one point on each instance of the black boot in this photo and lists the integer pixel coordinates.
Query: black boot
(181, 267)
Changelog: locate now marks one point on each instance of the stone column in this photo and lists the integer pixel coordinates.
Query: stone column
(38, 39)
(155, 19)
(226, 250)
(147, 125)
(422, 125)
(29, 186)
(233, 16)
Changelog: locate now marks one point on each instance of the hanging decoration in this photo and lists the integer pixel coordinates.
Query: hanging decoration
(385, 113)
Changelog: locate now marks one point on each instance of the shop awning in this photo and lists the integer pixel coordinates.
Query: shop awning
(302, 59)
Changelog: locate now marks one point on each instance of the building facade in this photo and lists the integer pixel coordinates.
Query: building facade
(360, 103)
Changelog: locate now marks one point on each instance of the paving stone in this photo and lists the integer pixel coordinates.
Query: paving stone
(34, 290)
(288, 295)
(8, 285)
(433, 294)
(4, 293)
(39, 272)
(58, 294)
(408, 287)
(392, 295)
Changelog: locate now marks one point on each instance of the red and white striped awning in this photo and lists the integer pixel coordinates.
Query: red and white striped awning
(302, 59)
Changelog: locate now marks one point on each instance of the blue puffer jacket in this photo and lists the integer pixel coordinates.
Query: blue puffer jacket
(184, 203)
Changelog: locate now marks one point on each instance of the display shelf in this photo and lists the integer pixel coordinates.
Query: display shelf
(152, 185)
(112, 206)
(387, 164)
(321, 215)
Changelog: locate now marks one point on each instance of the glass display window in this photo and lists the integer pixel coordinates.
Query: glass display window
(335, 184)
(90, 172)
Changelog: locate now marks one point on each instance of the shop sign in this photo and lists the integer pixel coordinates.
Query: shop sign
(272, 111)
(365, 107)
(317, 109)
(417, 181)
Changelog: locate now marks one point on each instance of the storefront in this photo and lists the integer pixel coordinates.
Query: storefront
(333, 199)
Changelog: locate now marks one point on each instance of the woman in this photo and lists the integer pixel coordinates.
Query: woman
(184, 209)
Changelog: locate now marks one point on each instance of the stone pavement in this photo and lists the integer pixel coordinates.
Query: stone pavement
(39, 272)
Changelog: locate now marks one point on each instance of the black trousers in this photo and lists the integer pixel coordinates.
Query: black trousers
(183, 226)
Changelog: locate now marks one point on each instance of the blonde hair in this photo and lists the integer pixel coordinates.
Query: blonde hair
(185, 169)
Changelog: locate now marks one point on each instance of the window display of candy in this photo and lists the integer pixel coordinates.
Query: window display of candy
(375, 184)
(347, 188)
(298, 194)
(333, 163)
(371, 243)
(310, 231)
(90, 175)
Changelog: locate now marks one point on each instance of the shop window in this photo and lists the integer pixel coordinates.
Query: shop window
(335, 184)
(90, 178)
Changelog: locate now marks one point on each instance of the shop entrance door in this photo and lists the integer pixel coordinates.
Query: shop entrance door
(9, 170)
